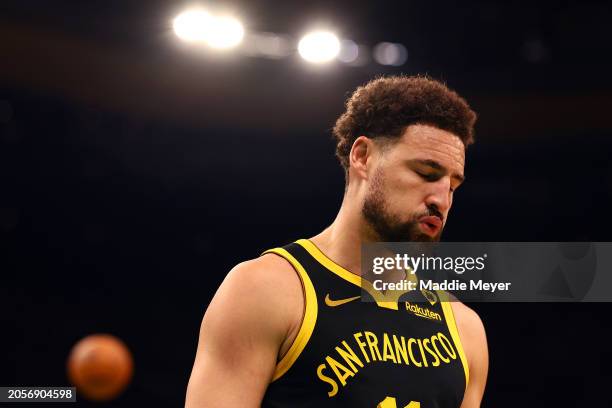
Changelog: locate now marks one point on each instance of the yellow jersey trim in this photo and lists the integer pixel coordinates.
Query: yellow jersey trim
(386, 300)
(449, 315)
(308, 321)
(316, 253)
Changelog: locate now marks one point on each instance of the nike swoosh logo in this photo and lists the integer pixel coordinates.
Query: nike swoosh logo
(333, 303)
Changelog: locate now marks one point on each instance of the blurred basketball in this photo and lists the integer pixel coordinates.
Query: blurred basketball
(100, 366)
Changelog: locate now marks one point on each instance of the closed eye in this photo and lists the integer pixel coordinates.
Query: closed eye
(429, 176)
(438, 171)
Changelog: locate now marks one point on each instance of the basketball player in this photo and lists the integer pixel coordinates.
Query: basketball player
(288, 329)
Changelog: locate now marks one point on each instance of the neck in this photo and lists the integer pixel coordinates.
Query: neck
(341, 241)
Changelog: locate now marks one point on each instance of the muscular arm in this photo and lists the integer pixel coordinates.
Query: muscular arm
(250, 322)
(474, 341)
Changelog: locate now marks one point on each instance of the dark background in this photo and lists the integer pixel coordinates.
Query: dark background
(135, 172)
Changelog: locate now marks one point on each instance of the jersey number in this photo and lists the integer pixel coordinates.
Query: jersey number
(390, 402)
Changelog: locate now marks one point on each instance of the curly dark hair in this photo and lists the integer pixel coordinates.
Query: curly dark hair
(385, 106)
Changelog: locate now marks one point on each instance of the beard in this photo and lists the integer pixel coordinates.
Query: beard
(387, 226)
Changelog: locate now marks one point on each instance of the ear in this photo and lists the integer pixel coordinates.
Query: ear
(361, 155)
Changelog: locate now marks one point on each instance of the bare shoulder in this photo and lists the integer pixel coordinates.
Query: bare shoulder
(268, 284)
(468, 322)
(268, 287)
(269, 272)
(259, 302)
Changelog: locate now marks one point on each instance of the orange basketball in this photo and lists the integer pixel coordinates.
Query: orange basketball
(100, 366)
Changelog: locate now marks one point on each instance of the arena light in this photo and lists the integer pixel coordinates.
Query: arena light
(319, 46)
(192, 25)
(197, 25)
(224, 32)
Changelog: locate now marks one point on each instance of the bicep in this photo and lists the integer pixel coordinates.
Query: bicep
(237, 349)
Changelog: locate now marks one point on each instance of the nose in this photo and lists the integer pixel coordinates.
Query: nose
(439, 196)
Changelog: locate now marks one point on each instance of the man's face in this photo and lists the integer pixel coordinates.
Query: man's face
(411, 190)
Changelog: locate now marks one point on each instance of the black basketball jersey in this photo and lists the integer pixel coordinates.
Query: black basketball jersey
(352, 353)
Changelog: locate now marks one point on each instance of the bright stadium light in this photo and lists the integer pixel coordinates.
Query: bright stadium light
(216, 31)
(319, 46)
(224, 32)
(192, 25)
